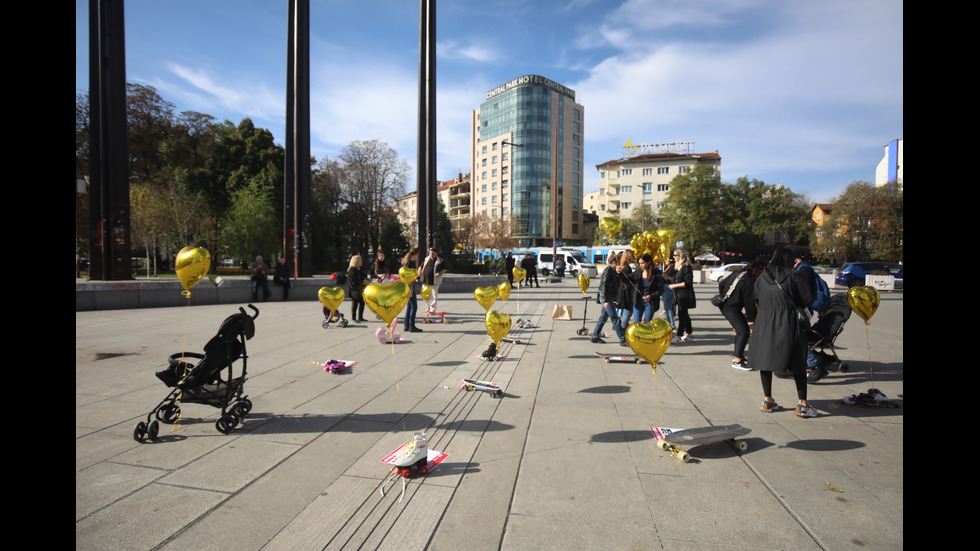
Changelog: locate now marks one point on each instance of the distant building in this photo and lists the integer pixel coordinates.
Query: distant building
(890, 167)
(642, 181)
(528, 149)
(454, 195)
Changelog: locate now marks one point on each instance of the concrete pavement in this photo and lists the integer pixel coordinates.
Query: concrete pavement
(565, 460)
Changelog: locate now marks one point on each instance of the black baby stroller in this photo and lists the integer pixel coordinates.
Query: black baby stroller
(822, 336)
(210, 381)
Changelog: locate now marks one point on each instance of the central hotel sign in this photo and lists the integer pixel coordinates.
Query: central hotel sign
(531, 80)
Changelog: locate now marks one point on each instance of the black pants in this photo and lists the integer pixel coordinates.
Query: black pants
(799, 376)
(741, 327)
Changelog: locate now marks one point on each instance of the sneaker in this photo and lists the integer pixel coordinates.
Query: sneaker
(598, 340)
(686, 337)
(769, 406)
(414, 330)
(675, 340)
(805, 411)
(623, 343)
(742, 365)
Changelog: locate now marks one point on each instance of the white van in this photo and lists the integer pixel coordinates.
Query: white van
(575, 262)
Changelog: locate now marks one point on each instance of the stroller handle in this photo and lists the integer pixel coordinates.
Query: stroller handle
(254, 309)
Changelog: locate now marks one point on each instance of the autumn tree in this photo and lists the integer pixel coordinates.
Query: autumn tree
(372, 177)
(867, 223)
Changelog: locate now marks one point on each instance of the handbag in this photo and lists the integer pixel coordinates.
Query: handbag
(802, 316)
(719, 300)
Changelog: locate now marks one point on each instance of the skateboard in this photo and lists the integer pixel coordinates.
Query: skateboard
(633, 358)
(491, 388)
(510, 339)
(336, 366)
(440, 315)
(673, 439)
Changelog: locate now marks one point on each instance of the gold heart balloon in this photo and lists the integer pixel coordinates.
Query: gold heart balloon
(331, 297)
(408, 275)
(387, 299)
(650, 340)
(519, 274)
(498, 325)
(192, 265)
(426, 293)
(583, 282)
(486, 296)
(611, 225)
(864, 301)
(503, 291)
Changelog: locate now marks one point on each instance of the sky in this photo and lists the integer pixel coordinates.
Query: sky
(803, 94)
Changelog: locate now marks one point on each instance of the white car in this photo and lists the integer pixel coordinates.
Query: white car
(722, 272)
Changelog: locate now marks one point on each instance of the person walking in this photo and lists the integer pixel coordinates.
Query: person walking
(684, 297)
(411, 260)
(357, 280)
(779, 339)
(739, 307)
(608, 289)
(509, 268)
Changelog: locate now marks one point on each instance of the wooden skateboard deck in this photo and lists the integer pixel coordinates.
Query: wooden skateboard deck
(672, 441)
(491, 388)
(632, 358)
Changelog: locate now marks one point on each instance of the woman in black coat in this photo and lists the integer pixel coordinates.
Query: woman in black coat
(778, 340)
(356, 281)
(684, 297)
(739, 308)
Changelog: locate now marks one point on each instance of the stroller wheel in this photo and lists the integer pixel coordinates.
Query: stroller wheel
(242, 407)
(843, 367)
(153, 430)
(325, 324)
(168, 413)
(139, 433)
(226, 423)
(343, 323)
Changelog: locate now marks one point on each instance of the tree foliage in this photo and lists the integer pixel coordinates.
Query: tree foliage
(694, 209)
(866, 223)
(373, 176)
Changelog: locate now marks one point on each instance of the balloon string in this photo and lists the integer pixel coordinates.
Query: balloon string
(867, 332)
(398, 390)
(183, 351)
(656, 386)
(186, 294)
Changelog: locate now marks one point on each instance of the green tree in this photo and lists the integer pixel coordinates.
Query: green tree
(694, 209)
(252, 225)
(754, 209)
(393, 240)
(867, 223)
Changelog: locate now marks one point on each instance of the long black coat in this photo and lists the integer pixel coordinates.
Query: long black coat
(778, 343)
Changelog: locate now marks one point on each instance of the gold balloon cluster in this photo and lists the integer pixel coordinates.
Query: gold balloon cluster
(656, 244)
(192, 265)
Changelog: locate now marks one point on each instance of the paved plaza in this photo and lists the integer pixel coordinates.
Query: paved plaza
(564, 460)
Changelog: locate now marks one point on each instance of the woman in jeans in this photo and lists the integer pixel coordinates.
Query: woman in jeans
(608, 288)
(648, 286)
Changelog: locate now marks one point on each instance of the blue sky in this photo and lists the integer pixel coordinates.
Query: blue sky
(804, 94)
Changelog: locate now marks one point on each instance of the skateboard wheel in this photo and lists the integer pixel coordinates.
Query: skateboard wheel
(743, 446)
(685, 457)
(662, 444)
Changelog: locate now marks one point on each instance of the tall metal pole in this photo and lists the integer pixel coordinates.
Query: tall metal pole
(110, 244)
(426, 168)
(297, 247)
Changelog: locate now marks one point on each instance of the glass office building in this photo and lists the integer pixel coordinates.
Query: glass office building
(527, 160)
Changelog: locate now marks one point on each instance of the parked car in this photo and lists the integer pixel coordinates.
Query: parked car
(853, 274)
(722, 272)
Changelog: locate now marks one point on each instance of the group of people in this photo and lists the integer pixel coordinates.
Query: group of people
(259, 275)
(530, 266)
(626, 294)
(772, 300)
(768, 300)
(430, 273)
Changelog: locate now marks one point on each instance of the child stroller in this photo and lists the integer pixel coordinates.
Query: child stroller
(210, 381)
(332, 317)
(822, 336)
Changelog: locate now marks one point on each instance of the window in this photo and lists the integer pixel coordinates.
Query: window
(493, 199)
(504, 170)
(663, 187)
(627, 172)
(503, 198)
(602, 174)
(577, 126)
(494, 159)
(626, 189)
(484, 149)
(493, 173)
(648, 172)
(484, 202)
(684, 169)
(504, 184)
(577, 114)
(574, 228)
(647, 187)
(626, 206)
(494, 146)
(483, 176)
(484, 188)
(663, 170)
(576, 139)
(483, 162)
(493, 185)
(505, 156)
(576, 152)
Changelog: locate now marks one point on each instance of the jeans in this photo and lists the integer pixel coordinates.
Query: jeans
(410, 310)
(624, 317)
(608, 312)
(643, 311)
(669, 305)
